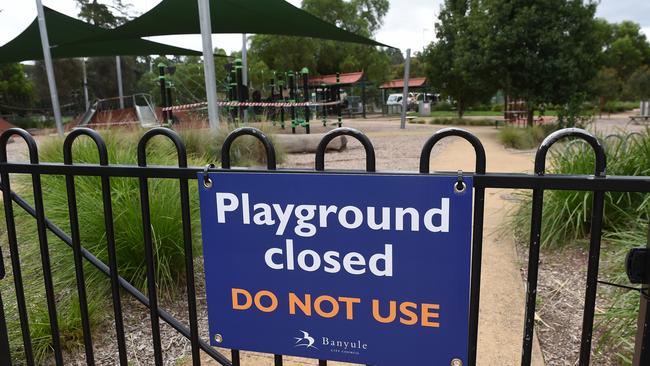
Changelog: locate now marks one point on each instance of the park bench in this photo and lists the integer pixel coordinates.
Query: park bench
(639, 118)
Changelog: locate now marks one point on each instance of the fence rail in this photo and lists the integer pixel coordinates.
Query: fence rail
(538, 182)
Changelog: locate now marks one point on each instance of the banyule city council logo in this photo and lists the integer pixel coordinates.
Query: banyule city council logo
(306, 340)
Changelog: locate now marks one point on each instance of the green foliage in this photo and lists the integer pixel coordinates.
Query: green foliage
(442, 106)
(553, 44)
(574, 113)
(617, 106)
(524, 138)
(457, 64)
(639, 82)
(15, 88)
(103, 15)
(567, 214)
(607, 85)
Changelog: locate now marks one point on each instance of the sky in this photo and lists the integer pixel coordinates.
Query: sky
(408, 24)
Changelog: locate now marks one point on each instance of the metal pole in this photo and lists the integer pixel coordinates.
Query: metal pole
(642, 342)
(162, 81)
(244, 61)
(49, 68)
(120, 88)
(244, 58)
(83, 68)
(208, 63)
(405, 90)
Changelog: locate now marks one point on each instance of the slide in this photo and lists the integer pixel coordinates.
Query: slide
(146, 116)
(88, 116)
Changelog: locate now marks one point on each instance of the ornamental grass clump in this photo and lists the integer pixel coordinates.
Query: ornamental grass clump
(166, 225)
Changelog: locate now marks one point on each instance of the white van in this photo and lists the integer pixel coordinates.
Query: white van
(394, 99)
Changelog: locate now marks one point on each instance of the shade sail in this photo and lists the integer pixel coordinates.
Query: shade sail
(234, 16)
(63, 31)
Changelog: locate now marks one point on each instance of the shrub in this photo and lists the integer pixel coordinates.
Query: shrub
(442, 106)
(524, 137)
(497, 107)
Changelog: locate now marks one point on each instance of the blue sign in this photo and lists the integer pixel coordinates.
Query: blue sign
(370, 269)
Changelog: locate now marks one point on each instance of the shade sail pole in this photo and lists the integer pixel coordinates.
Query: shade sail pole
(244, 58)
(208, 63)
(49, 68)
(120, 87)
(405, 90)
(85, 76)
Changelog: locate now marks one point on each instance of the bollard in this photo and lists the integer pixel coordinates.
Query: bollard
(281, 98)
(291, 79)
(306, 96)
(338, 97)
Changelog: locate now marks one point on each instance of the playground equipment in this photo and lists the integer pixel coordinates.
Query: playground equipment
(139, 110)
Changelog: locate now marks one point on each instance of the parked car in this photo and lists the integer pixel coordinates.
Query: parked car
(394, 99)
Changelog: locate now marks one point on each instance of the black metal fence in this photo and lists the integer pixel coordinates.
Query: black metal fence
(538, 182)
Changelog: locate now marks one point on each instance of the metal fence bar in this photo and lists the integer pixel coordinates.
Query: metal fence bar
(5, 350)
(642, 340)
(639, 184)
(74, 232)
(320, 159)
(270, 165)
(477, 227)
(12, 239)
(535, 239)
(47, 271)
(148, 249)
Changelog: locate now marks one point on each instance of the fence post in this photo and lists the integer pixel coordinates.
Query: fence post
(5, 356)
(642, 341)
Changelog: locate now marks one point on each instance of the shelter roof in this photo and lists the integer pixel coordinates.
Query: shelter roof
(64, 34)
(234, 16)
(399, 83)
(345, 79)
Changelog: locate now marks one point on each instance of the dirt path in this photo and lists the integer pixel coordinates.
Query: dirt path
(502, 301)
(502, 291)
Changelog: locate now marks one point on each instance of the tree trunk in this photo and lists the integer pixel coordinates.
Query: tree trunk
(461, 108)
(530, 115)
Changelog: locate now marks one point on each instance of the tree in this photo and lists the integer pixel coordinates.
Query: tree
(625, 48)
(639, 82)
(456, 64)
(607, 86)
(103, 15)
(15, 87)
(364, 17)
(543, 51)
(69, 83)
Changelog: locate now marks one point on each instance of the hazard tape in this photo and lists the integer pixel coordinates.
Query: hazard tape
(251, 104)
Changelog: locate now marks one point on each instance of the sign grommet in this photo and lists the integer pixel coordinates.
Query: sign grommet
(218, 338)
